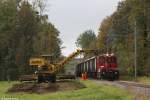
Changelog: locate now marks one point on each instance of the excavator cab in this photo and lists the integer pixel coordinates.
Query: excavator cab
(48, 58)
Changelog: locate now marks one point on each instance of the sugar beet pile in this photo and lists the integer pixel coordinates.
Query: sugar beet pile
(30, 87)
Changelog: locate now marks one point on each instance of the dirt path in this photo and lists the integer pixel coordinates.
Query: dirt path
(30, 87)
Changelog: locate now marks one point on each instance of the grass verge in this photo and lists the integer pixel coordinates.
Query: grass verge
(143, 79)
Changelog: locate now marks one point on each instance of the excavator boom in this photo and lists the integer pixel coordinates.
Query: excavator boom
(60, 65)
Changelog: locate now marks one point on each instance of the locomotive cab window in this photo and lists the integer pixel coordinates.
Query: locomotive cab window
(113, 60)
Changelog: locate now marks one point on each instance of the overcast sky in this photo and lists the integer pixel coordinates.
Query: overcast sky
(72, 17)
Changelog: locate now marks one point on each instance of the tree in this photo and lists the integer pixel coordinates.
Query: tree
(8, 13)
(120, 27)
(48, 41)
(103, 35)
(23, 30)
(86, 39)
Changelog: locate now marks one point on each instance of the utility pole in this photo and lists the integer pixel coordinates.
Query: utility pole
(135, 51)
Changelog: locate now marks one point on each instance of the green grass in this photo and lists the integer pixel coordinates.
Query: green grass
(92, 92)
(127, 78)
(143, 79)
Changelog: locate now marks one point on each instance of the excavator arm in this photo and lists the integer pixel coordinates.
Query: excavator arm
(60, 65)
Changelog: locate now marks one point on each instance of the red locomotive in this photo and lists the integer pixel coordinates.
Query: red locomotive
(99, 67)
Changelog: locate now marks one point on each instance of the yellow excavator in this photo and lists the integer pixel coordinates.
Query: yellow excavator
(47, 70)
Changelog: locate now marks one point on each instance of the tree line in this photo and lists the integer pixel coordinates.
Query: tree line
(24, 32)
(117, 31)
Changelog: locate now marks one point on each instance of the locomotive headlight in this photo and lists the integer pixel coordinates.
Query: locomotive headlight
(103, 72)
(112, 54)
(107, 54)
(116, 73)
(102, 66)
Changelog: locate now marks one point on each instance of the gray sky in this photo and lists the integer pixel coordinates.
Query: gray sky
(73, 17)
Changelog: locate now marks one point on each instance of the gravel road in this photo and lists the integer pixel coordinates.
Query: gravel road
(141, 91)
